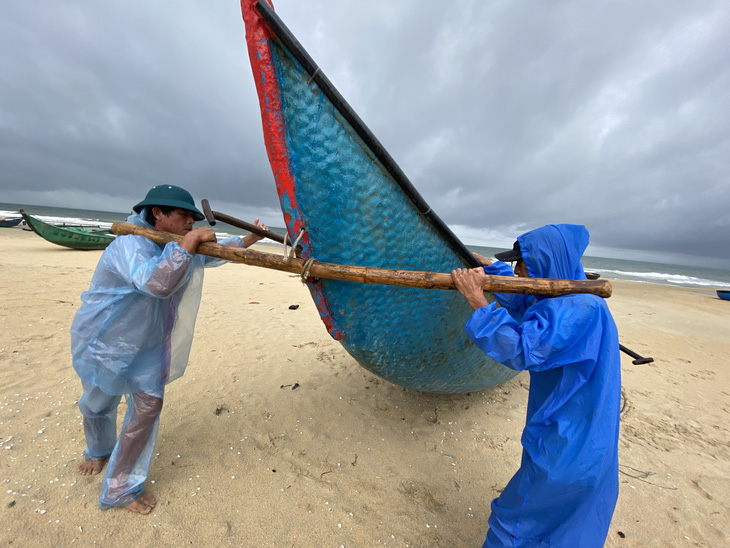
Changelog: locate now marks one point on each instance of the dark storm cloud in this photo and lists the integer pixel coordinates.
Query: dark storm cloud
(115, 98)
(505, 116)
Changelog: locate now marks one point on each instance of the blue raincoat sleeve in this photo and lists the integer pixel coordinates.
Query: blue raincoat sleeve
(515, 304)
(556, 332)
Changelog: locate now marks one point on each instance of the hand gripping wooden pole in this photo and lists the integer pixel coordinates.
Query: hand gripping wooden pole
(367, 275)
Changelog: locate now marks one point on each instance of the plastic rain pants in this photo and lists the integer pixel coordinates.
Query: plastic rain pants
(131, 454)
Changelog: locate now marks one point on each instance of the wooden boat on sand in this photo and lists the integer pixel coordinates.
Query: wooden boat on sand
(344, 200)
(723, 294)
(67, 236)
(7, 223)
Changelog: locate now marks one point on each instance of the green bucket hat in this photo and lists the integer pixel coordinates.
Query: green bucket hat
(171, 196)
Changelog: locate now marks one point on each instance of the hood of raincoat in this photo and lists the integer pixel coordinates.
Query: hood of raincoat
(139, 218)
(554, 251)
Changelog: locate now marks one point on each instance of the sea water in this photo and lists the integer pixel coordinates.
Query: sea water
(687, 275)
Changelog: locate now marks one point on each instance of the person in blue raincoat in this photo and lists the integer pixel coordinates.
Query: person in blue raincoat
(132, 335)
(565, 491)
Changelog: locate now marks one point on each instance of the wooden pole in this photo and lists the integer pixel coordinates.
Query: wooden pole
(367, 275)
(213, 216)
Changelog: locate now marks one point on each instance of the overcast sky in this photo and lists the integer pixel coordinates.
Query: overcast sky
(504, 115)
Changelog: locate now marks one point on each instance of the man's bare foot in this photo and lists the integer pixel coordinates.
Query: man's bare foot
(143, 504)
(91, 467)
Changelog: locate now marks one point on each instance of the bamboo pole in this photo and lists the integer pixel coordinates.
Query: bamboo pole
(367, 275)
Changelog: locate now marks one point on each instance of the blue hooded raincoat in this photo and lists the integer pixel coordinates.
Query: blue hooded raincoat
(565, 491)
(134, 330)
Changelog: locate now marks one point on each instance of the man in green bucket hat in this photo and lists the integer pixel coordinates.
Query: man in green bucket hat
(132, 336)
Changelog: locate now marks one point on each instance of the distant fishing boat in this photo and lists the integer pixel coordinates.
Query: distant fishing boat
(7, 223)
(68, 236)
(344, 200)
(723, 294)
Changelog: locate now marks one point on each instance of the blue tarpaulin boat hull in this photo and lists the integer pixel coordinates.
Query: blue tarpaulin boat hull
(345, 199)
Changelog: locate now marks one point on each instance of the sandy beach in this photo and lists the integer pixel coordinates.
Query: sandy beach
(276, 437)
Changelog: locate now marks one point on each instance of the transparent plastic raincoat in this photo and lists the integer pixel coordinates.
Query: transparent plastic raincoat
(132, 336)
(565, 491)
(135, 327)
